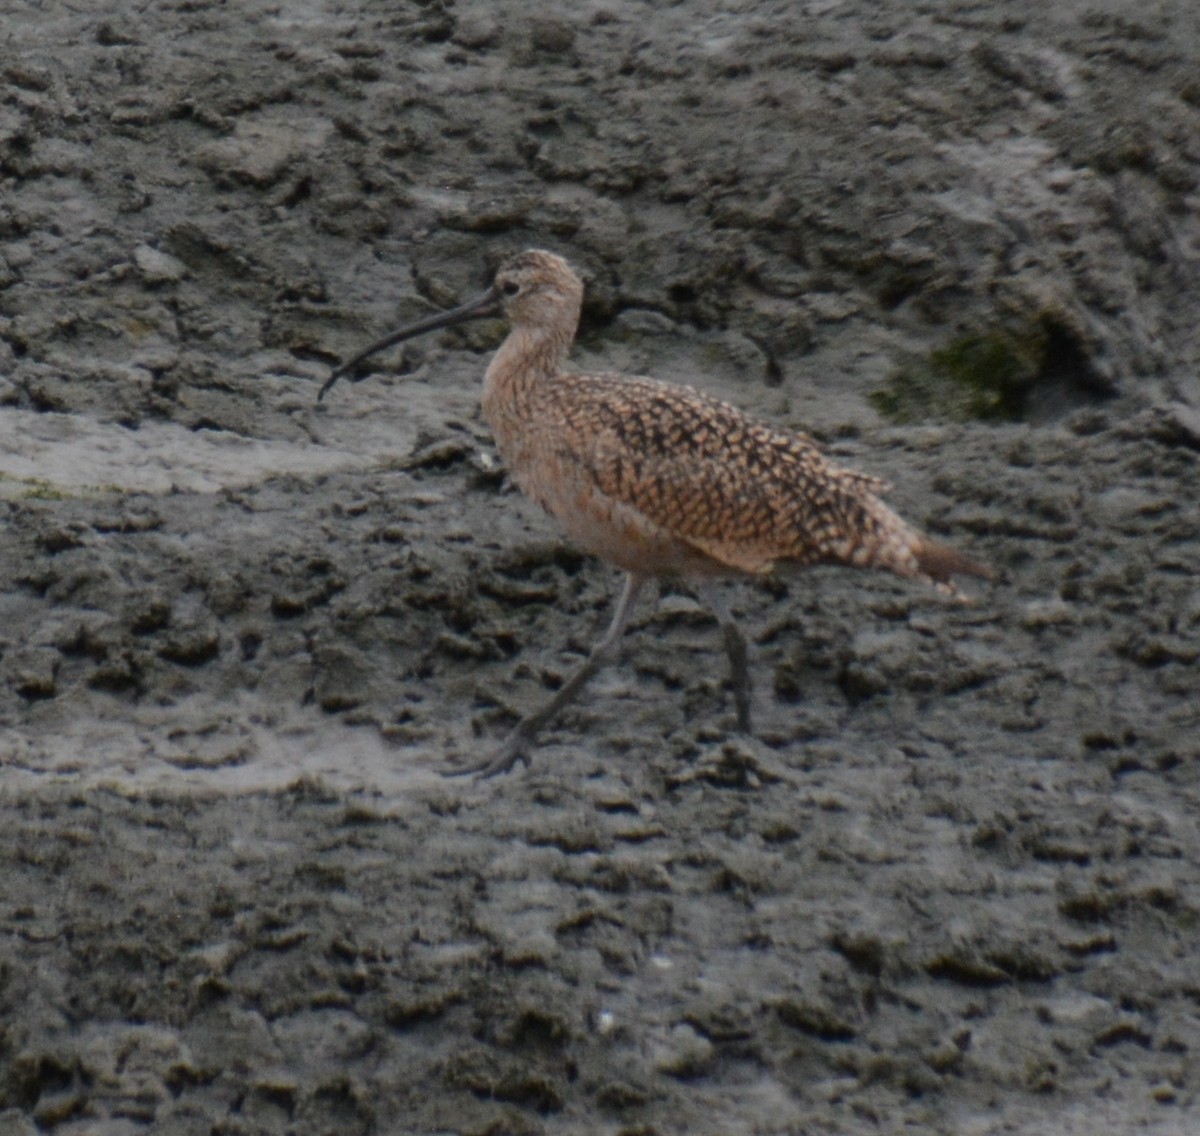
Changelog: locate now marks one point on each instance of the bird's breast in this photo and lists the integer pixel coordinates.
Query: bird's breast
(608, 527)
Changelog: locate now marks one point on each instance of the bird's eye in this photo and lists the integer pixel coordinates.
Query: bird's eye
(510, 287)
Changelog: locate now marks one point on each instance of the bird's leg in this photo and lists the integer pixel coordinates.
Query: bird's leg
(517, 743)
(735, 648)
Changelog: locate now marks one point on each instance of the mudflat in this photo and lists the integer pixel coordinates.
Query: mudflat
(952, 885)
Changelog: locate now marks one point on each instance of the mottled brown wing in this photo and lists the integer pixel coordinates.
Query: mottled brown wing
(742, 492)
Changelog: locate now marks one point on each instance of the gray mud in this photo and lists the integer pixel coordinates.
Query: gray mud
(953, 887)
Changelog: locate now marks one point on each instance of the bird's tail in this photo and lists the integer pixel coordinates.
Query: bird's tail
(941, 563)
(898, 547)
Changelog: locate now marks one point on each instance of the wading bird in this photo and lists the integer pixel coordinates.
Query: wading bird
(661, 480)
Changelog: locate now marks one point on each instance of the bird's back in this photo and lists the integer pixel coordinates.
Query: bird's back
(665, 480)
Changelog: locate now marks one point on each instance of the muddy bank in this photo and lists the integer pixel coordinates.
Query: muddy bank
(953, 884)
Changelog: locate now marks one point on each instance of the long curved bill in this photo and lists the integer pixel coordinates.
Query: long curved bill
(479, 308)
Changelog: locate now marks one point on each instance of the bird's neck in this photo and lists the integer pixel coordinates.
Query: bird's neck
(527, 356)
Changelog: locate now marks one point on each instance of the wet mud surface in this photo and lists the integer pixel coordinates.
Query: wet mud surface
(952, 885)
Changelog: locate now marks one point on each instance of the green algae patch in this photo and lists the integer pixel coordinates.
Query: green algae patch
(982, 376)
(39, 489)
(1022, 370)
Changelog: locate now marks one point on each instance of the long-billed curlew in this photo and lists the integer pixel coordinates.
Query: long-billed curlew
(662, 480)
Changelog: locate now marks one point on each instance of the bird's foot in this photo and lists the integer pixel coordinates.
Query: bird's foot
(514, 748)
(741, 762)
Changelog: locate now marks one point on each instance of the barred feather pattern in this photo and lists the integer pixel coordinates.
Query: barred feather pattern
(693, 480)
(662, 479)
